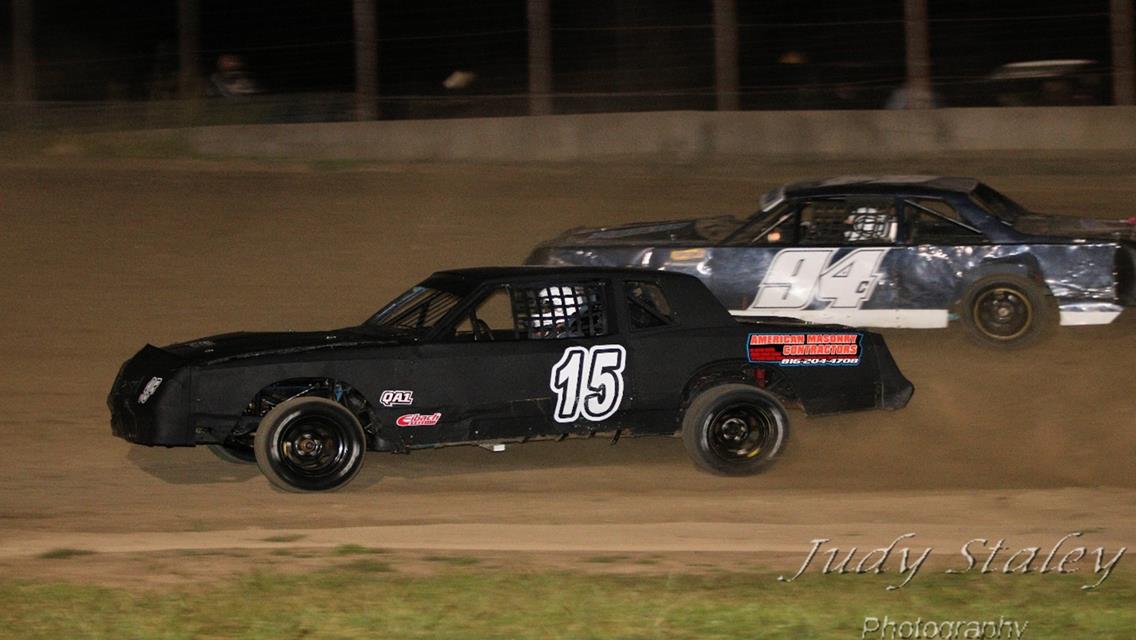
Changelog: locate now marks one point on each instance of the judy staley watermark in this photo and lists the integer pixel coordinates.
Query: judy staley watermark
(886, 628)
(980, 555)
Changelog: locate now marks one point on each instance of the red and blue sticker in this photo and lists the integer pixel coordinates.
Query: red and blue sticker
(805, 349)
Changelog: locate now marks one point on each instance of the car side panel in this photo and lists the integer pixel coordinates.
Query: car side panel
(914, 286)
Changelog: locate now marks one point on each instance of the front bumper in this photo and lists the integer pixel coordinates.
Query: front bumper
(162, 416)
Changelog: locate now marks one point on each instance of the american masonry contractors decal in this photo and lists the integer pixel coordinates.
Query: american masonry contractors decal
(805, 349)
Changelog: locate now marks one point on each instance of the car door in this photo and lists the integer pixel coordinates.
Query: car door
(830, 262)
(527, 360)
(659, 354)
(939, 249)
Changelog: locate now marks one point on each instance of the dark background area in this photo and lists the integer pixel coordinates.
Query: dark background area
(607, 55)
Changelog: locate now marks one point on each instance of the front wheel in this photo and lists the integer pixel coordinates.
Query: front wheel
(309, 444)
(1007, 311)
(734, 429)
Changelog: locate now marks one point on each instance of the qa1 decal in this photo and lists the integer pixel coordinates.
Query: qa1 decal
(799, 277)
(588, 382)
(805, 349)
(394, 397)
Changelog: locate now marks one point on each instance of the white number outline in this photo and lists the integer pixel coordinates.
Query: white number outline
(819, 279)
(588, 382)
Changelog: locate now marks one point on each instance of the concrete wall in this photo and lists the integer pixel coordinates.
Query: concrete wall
(685, 136)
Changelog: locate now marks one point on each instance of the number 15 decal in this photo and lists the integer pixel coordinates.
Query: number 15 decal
(798, 276)
(588, 382)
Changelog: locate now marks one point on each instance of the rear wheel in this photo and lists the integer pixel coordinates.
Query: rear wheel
(734, 429)
(309, 444)
(1007, 311)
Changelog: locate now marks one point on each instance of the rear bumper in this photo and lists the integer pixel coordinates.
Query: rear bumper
(893, 390)
(1125, 270)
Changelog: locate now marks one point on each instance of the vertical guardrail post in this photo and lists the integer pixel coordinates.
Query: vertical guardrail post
(540, 57)
(1123, 89)
(918, 54)
(726, 54)
(189, 43)
(366, 61)
(23, 50)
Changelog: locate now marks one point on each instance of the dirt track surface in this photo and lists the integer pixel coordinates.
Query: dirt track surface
(99, 259)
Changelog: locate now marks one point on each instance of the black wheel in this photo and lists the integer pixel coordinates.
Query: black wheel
(1007, 311)
(734, 429)
(309, 444)
(235, 453)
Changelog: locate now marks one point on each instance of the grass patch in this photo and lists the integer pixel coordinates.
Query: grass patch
(368, 565)
(356, 550)
(362, 600)
(605, 559)
(63, 553)
(287, 537)
(458, 561)
(192, 553)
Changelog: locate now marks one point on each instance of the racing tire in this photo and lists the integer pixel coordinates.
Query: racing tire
(309, 444)
(235, 454)
(735, 429)
(1007, 312)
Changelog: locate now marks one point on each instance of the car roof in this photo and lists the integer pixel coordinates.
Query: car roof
(872, 185)
(687, 296)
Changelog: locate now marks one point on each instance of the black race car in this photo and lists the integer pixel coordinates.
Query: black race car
(495, 355)
(893, 251)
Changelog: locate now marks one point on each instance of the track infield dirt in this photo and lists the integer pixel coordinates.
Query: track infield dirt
(101, 257)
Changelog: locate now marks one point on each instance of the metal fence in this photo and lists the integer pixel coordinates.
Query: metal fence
(165, 63)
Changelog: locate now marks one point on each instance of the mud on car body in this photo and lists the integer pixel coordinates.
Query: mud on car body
(892, 251)
(499, 355)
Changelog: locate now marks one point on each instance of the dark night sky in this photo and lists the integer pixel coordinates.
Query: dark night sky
(89, 51)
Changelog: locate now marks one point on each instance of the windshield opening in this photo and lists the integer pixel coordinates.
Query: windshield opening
(997, 204)
(419, 308)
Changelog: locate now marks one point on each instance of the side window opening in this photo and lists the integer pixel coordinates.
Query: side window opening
(491, 320)
(937, 221)
(561, 311)
(778, 227)
(647, 308)
(839, 221)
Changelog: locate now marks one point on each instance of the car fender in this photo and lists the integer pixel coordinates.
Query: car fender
(1024, 265)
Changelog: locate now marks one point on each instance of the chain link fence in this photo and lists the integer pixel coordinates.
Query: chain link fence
(123, 65)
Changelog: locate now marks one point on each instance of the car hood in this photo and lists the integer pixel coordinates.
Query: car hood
(695, 230)
(246, 344)
(1070, 227)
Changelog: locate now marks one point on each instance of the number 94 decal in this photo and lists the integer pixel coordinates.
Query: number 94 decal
(797, 277)
(588, 382)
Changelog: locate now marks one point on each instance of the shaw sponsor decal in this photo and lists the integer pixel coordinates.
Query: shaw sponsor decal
(805, 349)
(418, 420)
(392, 397)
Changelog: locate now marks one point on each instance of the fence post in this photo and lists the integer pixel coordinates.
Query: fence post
(540, 58)
(726, 54)
(918, 54)
(23, 51)
(366, 61)
(1123, 91)
(189, 39)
